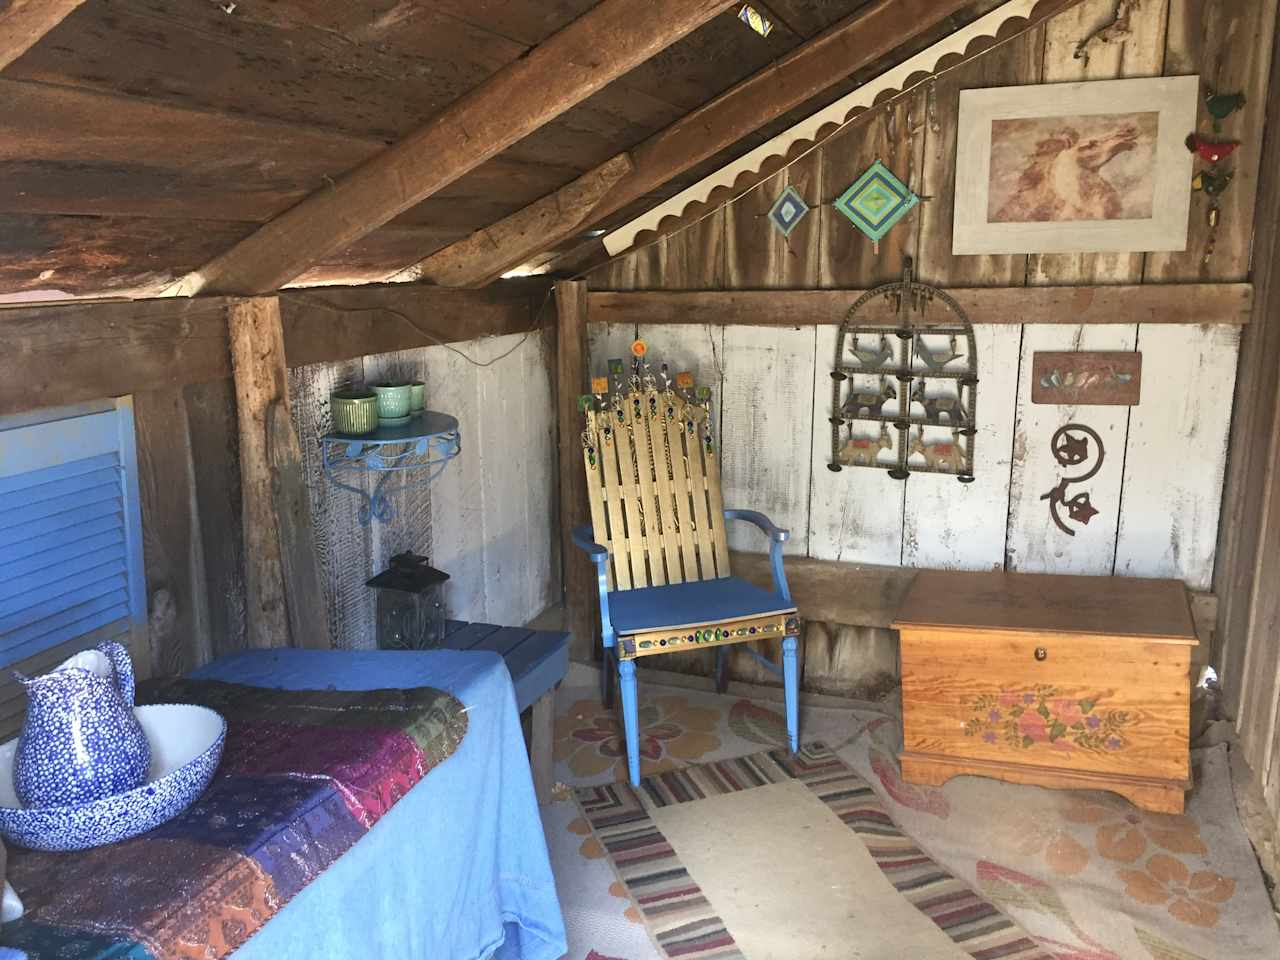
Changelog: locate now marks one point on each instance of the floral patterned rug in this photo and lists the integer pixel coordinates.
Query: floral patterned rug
(1086, 874)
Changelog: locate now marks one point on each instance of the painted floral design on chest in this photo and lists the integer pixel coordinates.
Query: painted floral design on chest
(1043, 715)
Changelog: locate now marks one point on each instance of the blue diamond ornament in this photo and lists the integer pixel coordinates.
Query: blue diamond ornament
(788, 211)
(876, 201)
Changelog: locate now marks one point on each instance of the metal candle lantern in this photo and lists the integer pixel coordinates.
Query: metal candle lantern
(410, 604)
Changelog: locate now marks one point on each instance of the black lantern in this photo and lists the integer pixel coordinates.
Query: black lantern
(410, 604)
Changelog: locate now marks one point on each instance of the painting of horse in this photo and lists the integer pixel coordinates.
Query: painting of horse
(1070, 168)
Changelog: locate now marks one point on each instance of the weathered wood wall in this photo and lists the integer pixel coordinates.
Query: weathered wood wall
(486, 521)
(1160, 489)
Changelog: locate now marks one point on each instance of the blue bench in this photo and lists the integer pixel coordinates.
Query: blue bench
(537, 661)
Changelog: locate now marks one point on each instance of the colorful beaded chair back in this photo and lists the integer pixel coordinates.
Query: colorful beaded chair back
(653, 476)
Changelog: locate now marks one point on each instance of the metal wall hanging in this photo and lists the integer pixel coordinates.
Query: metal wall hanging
(1073, 451)
(904, 398)
(1087, 377)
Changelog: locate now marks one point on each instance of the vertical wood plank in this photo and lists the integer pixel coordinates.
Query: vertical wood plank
(215, 458)
(1226, 42)
(173, 549)
(537, 443)
(1017, 62)
(304, 598)
(803, 250)
(257, 356)
(895, 136)
(1035, 544)
(1176, 454)
(504, 480)
(767, 408)
(694, 257)
(343, 546)
(957, 526)
(572, 380)
(457, 510)
(856, 514)
(754, 247)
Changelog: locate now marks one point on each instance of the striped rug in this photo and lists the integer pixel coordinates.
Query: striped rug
(684, 923)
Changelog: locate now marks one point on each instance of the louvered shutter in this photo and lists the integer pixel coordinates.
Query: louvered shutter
(70, 540)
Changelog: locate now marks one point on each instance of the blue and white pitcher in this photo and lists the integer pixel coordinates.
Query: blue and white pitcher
(81, 741)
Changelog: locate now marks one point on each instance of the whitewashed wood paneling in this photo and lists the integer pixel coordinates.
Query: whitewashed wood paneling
(1176, 453)
(486, 520)
(856, 514)
(950, 525)
(343, 546)
(1034, 542)
(765, 403)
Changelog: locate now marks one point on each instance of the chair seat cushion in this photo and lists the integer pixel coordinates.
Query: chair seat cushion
(691, 604)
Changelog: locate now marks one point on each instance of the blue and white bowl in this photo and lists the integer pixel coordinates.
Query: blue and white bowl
(186, 745)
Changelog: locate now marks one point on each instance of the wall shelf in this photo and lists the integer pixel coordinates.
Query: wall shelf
(419, 448)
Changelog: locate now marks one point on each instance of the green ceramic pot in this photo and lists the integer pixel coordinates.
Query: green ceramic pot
(354, 411)
(393, 400)
(417, 395)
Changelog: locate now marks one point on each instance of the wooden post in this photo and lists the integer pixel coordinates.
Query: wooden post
(172, 544)
(257, 359)
(581, 616)
(308, 624)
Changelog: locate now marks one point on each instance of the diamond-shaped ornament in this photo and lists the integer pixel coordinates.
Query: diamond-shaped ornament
(876, 201)
(787, 212)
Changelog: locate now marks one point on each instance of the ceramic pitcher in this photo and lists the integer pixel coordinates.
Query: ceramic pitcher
(81, 741)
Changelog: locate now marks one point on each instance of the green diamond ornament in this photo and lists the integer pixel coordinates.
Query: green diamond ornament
(876, 201)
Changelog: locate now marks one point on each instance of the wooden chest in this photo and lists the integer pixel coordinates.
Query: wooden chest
(1059, 681)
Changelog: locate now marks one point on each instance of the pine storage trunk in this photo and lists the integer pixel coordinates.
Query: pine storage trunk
(1060, 681)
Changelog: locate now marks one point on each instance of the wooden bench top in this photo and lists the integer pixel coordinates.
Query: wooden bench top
(536, 659)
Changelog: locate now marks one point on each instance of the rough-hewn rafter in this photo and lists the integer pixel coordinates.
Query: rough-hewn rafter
(489, 253)
(24, 22)
(861, 38)
(568, 67)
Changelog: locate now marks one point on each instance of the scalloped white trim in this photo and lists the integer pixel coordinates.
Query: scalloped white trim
(892, 79)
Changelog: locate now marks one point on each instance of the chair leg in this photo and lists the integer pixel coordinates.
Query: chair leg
(607, 667)
(630, 718)
(722, 669)
(791, 690)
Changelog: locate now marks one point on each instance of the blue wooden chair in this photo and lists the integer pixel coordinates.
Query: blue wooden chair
(657, 538)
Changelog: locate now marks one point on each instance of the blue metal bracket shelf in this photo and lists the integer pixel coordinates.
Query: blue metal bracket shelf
(419, 448)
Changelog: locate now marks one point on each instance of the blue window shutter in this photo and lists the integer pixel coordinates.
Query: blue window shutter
(71, 569)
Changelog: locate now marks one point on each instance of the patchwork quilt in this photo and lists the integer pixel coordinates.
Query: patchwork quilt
(304, 775)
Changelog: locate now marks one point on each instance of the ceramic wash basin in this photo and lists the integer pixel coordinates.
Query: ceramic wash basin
(186, 745)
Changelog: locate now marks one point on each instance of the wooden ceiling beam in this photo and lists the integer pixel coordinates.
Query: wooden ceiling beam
(859, 39)
(571, 65)
(24, 22)
(487, 254)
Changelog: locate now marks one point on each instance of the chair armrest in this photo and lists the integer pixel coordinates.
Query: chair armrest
(777, 536)
(775, 533)
(584, 538)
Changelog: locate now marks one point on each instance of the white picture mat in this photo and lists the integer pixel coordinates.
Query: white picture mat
(1174, 98)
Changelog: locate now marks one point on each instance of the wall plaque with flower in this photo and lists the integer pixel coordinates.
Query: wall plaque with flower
(1043, 715)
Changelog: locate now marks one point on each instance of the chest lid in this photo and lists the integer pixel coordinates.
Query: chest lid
(1109, 606)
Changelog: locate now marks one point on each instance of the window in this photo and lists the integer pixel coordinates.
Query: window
(71, 570)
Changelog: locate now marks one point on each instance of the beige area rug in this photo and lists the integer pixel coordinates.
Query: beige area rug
(1083, 875)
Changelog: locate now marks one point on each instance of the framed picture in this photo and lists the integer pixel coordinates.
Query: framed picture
(1075, 167)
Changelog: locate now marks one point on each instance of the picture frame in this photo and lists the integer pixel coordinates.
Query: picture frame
(1091, 167)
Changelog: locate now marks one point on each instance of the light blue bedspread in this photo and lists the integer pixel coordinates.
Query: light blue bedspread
(458, 869)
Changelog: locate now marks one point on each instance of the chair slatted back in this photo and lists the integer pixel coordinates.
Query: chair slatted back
(653, 482)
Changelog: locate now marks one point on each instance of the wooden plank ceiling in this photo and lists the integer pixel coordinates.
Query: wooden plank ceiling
(146, 137)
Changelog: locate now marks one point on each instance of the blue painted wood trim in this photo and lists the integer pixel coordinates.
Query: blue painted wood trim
(777, 537)
(584, 538)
